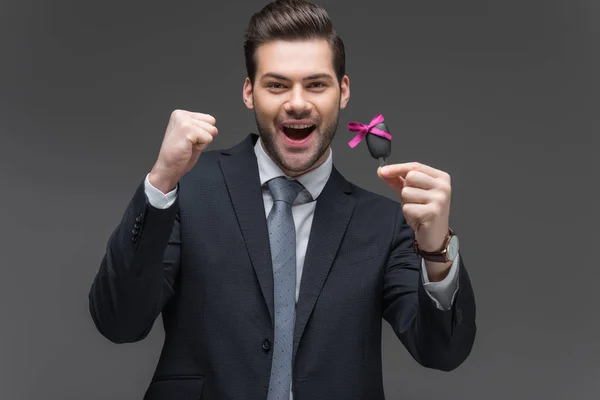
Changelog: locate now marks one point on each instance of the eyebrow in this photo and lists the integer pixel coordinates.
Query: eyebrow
(308, 78)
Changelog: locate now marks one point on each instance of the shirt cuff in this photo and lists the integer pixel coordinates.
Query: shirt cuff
(444, 291)
(157, 198)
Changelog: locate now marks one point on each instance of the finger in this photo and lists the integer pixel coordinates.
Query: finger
(199, 147)
(203, 117)
(208, 127)
(420, 180)
(396, 183)
(403, 169)
(420, 213)
(415, 195)
(190, 124)
(199, 137)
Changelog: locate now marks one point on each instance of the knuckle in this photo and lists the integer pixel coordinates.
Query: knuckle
(405, 208)
(186, 125)
(177, 114)
(201, 137)
(445, 177)
(440, 197)
(445, 188)
(403, 193)
(190, 137)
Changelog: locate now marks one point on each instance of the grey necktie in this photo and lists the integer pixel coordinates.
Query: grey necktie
(282, 237)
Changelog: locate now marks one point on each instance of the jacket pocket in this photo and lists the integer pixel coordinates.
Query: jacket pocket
(180, 388)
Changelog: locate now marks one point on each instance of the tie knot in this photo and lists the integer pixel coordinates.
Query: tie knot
(285, 190)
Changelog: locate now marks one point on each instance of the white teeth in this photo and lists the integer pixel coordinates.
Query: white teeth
(297, 126)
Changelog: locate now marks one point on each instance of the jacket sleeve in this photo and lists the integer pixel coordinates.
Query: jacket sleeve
(436, 338)
(137, 274)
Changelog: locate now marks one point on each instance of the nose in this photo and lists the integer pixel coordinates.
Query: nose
(297, 103)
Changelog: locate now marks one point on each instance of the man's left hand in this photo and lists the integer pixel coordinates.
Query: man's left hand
(425, 196)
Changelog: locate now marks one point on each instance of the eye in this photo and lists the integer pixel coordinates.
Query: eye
(275, 85)
(318, 85)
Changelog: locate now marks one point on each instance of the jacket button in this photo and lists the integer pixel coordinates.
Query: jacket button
(138, 218)
(134, 231)
(266, 345)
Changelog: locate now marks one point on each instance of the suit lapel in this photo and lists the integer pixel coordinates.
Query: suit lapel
(240, 171)
(332, 214)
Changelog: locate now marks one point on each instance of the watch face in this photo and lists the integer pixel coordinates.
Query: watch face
(453, 248)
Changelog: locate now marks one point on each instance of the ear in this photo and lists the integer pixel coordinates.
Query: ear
(247, 94)
(344, 91)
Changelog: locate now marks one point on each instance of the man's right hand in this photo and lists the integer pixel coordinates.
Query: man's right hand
(187, 135)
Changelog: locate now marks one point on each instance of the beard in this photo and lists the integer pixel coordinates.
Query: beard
(322, 137)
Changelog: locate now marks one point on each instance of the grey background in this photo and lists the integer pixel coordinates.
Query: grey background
(502, 95)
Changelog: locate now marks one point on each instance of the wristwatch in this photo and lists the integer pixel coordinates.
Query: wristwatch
(448, 252)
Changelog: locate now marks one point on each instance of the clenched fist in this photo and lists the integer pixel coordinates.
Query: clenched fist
(187, 135)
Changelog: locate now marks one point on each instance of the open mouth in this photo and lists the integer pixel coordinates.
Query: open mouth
(298, 132)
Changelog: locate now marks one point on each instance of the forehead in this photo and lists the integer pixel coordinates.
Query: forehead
(294, 58)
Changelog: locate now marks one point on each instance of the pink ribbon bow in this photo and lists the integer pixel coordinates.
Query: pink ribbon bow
(363, 129)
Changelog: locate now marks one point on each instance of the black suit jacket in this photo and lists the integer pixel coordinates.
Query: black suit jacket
(205, 264)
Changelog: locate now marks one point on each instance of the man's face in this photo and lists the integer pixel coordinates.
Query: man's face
(296, 100)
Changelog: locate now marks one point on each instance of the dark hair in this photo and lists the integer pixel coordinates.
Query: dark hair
(292, 20)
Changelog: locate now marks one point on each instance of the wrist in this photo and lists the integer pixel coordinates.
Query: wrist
(161, 180)
(448, 252)
(435, 241)
(437, 271)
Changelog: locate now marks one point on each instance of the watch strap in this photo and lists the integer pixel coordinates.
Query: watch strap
(440, 256)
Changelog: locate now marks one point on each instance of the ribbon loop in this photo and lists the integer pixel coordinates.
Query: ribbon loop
(363, 129)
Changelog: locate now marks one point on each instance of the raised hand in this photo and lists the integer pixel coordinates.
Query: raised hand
(187, 135)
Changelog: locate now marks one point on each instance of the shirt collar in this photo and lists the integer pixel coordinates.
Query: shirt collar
(314, 181)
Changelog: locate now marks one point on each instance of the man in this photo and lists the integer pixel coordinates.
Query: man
(271, 271)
